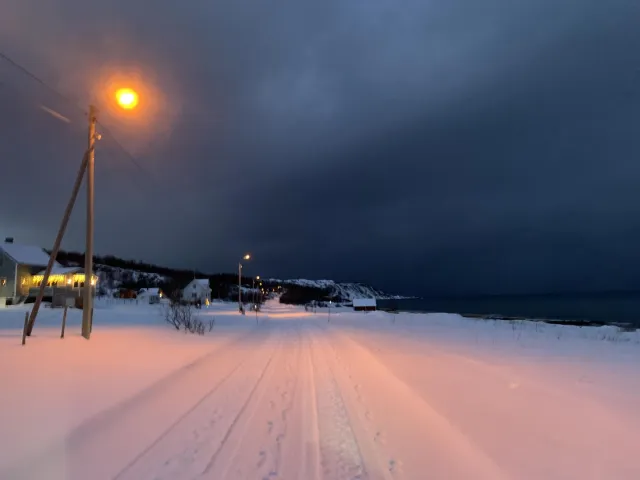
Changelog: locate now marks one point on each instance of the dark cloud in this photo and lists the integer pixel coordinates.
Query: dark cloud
(448, 147)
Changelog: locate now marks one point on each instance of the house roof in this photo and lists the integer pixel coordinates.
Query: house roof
(60, 270)
(26, 254)
(202, 283)
(364, 302)
(149, 291)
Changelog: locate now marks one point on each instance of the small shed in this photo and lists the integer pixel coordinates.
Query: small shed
(364, 304)
(149, 295)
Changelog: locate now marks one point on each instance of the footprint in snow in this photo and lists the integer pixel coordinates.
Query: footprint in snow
(380, 438)
(395, 466)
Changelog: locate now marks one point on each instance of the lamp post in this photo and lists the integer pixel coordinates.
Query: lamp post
(246, 257)
(87, 307)
(127, 99)
(253, 288)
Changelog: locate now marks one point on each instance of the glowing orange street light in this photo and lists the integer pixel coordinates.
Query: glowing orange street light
(127, 98)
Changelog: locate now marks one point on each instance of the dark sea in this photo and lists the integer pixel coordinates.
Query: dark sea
(616, 308)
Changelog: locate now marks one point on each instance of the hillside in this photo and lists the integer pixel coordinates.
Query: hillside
(302, 290)
(112, 278)
(115, 273)
(345, 291)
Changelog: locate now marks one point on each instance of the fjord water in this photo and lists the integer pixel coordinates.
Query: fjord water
(619, 307)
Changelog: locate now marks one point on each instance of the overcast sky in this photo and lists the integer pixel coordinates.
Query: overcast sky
(443, 147)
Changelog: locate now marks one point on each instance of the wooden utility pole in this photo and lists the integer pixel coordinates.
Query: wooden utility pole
(24, 328)
(87, 303)
(56, 244)
(64, 321)
(240, 287)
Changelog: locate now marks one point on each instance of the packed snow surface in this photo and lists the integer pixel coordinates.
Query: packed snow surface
(291, 394)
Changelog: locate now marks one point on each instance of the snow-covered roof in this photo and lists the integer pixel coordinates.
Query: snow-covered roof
(26, 254)
(60, 270)
(201, 284)
(364, 302)
(149, 292)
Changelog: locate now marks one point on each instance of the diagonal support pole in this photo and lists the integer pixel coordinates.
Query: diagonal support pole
(56, 245)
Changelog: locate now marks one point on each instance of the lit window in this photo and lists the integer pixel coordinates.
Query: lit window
(3, 282)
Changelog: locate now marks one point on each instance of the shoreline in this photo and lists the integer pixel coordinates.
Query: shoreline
(627, 326)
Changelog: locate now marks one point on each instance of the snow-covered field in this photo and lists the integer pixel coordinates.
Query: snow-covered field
(294, 396)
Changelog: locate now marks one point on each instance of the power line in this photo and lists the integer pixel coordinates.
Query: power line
(27, 72)
(104, 128)
(128, 154)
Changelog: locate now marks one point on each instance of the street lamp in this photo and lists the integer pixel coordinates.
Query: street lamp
(127, 99)
(246, 257)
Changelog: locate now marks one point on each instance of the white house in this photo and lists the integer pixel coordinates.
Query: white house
(198, 289)
(149, 295)
(364, 304)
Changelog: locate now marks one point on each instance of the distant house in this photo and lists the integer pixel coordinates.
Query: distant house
(364, 304)
(197, 290)
(64, 283)
(22, 270)
(150, 295)
(18, 263)
(126, 293)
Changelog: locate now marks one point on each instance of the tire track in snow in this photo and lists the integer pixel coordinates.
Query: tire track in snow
(359, 418)
(310, 457)
(171, 427)
(253, 447)
(341, 457)
(184, 452)
(229, 431)
(442, 445)
(140, 420)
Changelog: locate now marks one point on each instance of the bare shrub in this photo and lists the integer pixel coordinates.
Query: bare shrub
(171, 314)
(181, 317)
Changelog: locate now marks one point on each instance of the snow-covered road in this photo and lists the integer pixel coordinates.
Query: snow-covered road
(297, 397)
